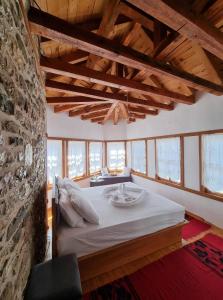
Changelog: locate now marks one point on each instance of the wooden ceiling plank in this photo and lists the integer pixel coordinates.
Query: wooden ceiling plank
(44, 24)
(82, 91)
(178, 16)
(64, 69)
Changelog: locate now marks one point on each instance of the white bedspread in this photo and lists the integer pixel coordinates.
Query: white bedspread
(118, 224)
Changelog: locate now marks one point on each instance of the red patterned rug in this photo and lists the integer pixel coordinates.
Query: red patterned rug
(191, 273)
(193, 228)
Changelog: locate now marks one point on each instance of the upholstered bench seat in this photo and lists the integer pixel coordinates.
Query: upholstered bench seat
(57, 279)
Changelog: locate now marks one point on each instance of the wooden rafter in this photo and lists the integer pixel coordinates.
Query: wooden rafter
(107, 24)
(82, 91)
(72, 100)
(64, 69)
(52, 27)
(177, 15)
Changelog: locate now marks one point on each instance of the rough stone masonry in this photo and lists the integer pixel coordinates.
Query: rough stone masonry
(22, 152)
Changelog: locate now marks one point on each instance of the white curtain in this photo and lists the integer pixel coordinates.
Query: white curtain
(76, 159)
(212, 164)
(54, 160)
(139, 156)
(116, 155)
(168, 159)
(95, 156)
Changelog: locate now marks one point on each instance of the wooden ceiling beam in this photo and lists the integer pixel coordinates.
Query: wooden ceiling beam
(82, 91)
(130, 120)
(136, 15)
(73, 100)
(86, 110)
(178, 16)
(143, 111)
(90, 25)
(110, 111)
(124, 110)
(97, 120)
(137, 115)
(116, 115)
(107, 24)
(44, 24)
(58, 67)
(91, 115)
(64, 108)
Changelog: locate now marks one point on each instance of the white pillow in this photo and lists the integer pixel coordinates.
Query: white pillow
(70, 216)
(67, 184)
(83, 206)
(126, 171)
(104, 172)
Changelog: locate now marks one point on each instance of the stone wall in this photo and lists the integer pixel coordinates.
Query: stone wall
(22, 154)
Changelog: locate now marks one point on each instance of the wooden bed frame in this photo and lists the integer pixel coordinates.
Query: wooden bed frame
(115, 257)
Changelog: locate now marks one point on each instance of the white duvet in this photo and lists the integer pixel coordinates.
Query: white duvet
(118, 224)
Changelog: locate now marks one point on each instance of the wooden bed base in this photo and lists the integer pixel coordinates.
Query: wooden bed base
(113, 258)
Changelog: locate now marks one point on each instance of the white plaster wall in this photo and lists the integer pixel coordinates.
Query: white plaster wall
(206, 114)
(60, 125)
(209, 209)
(114, 132)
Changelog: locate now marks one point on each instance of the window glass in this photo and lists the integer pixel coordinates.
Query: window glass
(139, 156)
(168, 159)
(116, 155)
(95, 156)
(212, 162)
(54, 160)
(76, 159)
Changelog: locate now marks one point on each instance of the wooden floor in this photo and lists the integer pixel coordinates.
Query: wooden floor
(133, 267)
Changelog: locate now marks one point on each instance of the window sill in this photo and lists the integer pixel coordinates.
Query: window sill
(166, 181)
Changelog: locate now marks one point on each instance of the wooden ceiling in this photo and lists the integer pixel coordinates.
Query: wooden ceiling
(113, 60)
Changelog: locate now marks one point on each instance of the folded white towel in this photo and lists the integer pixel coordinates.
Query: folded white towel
(124, 196)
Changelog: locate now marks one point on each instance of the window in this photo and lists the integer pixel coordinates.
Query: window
(95, 156)
(168, 159)
(54, 160)
(76, 159)
(212, 162)
(116, 155)
(139, 156)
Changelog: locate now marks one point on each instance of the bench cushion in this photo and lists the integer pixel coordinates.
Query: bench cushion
(57, 279)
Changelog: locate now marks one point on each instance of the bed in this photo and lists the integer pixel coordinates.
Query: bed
(124, 234)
